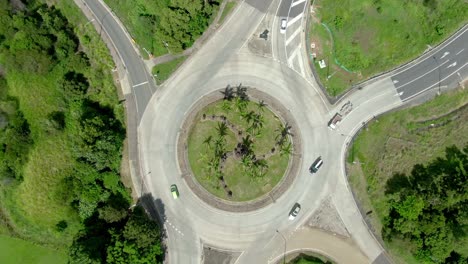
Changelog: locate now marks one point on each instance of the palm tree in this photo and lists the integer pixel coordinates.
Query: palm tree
(228, 93)
(284, 131)
(221, 129)
(208, 141)
(241, 92)
(286, 150)
(261, 106)
(248, 116)
(241, 105)
(226, 106)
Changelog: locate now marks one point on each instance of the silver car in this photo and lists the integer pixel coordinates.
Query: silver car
(294, 211)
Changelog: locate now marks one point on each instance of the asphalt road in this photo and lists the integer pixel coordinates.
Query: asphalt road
(141, 82)
(189, 222)
(435, 71)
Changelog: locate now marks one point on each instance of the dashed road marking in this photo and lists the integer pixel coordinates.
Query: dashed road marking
(175, 228)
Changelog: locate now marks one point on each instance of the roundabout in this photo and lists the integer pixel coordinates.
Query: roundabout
(257, 160)
(202, 221)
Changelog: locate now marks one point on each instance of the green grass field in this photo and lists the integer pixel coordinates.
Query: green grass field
(14, 251)
(162, 72)
(243, 186)
(372, 36)
(396, 142)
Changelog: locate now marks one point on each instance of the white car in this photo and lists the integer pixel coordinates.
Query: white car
(284, 24)
(294, 211)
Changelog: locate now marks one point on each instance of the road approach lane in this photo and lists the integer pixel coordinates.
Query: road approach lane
(443, 66)
(141, 82)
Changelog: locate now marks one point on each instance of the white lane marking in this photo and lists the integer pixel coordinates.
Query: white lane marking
(298, 30)
(445, 54)
(452, 65)
(293, 56)
(399, 87)
(420, 92)
(443, 46)
(295, 19)
(297, 2)
(460, 51)
(142, 83)
(275, 31)
(399, 94)
(395, 81)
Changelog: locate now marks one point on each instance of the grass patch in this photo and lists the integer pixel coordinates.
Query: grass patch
(236, 173)
(226, 11)
(372, 36)
(164, 70)
(14, 250)
(394, 143)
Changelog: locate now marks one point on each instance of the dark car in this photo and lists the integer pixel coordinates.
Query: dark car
(316, 165)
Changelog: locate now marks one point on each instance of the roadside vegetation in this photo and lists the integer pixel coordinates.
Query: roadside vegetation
(165, 26)
(61, 135)
(227, 10)
(163, 71)
(238, 149)
(360, 38)
(310, 259)
(408, 170)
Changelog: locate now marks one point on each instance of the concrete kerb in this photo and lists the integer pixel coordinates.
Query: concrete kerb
(266, 199)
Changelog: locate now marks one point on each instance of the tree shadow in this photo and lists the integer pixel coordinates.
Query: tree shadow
(396, 183)
(154, 207)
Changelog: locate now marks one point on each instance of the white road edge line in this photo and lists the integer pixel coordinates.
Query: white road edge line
(140, 84)
(403, 69)
(419, 77)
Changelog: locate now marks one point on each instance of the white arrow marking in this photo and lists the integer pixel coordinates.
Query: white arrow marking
(445, 54)
(452, 65)
(399, 94)
(395, 81)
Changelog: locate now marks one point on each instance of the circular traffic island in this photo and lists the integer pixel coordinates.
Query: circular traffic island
(237, 149)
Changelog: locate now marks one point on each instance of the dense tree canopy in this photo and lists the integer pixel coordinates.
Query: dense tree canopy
(430, 208)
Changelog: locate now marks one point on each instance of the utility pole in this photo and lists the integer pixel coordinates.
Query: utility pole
(438, 67)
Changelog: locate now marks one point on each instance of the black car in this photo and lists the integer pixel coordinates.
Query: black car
(316, 165)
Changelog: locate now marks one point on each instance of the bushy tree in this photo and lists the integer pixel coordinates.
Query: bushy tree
(430, 207)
